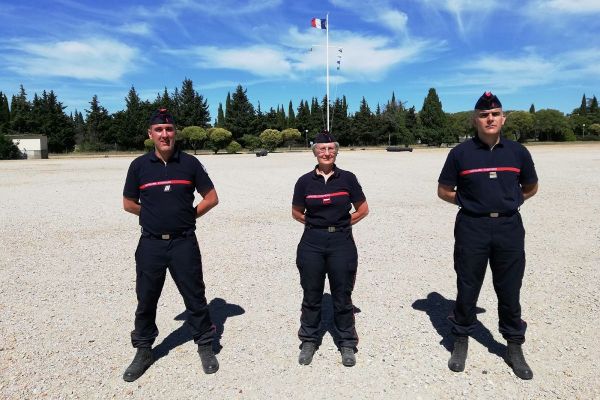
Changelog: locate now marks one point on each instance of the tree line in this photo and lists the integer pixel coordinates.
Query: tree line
(241, 124)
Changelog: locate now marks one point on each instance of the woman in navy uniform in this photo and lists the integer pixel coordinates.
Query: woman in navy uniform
(323, 199)
(489, 178)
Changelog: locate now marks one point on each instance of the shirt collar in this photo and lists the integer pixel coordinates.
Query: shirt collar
(481, 144)
(336, 171)
(174, 156)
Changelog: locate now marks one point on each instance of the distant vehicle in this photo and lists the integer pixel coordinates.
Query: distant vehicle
(261, 152)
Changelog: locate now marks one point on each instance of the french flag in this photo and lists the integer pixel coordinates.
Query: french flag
(318, 23)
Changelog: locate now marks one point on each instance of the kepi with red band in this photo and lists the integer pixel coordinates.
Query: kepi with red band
(161, 116)
(488, 101)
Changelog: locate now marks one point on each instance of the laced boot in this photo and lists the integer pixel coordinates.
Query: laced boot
(307, 350)
(348, 357)
(210, 364)
(516, 360)
(141, 362)
(459, 354)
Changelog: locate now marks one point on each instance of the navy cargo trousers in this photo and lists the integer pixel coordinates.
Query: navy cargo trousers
(334, 254)
(181, 256)
(501, 241)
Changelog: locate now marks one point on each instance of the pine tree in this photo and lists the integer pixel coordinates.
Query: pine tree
(433, 119)
(583, 107)
(291, 117)
(20, 112)
(4, 114)
(97, 127)
(193, 108)
(532, 109)
(239, 114)
(220, 123)
(594, 106)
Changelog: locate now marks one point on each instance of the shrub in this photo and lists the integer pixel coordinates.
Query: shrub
(233, 147)
(250, 142)
(270, 138)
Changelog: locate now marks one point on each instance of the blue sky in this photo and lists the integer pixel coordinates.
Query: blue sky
(545, 52)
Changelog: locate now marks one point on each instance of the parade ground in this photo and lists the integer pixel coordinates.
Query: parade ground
(67, 285)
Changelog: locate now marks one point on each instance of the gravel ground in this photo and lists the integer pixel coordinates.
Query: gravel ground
(67, 285)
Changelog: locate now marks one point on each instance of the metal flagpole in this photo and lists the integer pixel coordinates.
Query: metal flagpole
(327, 66)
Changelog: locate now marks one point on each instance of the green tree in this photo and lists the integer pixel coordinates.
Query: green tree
(195, 136)
(290, 136)
(553, 125)
(594, 105)
(363, 131)
(519, 126)
(340, 123)
(594, 129)
(20, 112)
(461, 125)
(48, 118)
(239, 115)
(271, 138)
(4, 114)
(149, 144)
(193, 107)
(532, 109)
(8, 150)
(233, 147)
(583, 106)
(433, 119)
(250, 142)
(220, 123)
(218, 138)
(291, 117)
(97, 127)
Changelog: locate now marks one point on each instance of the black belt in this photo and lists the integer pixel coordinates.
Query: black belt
(330, 229)
(167, 236)
(491, 214)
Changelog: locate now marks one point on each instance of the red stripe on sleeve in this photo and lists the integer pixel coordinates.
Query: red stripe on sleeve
(493, 169)
(163, 183)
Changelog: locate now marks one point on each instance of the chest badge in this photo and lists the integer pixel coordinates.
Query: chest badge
(167, 188)
(327, 200)
(493, 175)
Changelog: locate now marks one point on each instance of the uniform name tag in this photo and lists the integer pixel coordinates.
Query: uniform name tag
(167, 188)
(327, 200)
(493, 175)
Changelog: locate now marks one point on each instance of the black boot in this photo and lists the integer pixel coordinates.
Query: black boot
(307, 350)
(210, 364)
(141, 362)
(516, 359)
(348, 358)
(459, 354)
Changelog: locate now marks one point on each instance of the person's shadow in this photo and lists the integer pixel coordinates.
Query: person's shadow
(219, 309)
(438, 308)
(327, 322)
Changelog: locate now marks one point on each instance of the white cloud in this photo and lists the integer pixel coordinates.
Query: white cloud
(95, 59)
(468, 14)
(568, 6)
(376, 11)
(258, 60)
(529, 70)
(139, 28)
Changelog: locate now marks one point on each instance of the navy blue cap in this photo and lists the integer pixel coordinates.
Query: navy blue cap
(161, 116)
(487, 101)
(324, 137)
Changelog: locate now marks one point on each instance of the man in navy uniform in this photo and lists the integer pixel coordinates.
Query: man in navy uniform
(489, 178)
(160, 189)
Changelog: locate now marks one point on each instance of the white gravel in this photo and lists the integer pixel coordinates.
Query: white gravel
(67, 280)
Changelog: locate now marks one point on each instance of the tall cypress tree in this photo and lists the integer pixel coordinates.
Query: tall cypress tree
(291, 117)
(433, 119)
(532, 109)
(220, 123)
(239, 114)
(20, 112)
(583, 106)
(4, 114)
(594, 105)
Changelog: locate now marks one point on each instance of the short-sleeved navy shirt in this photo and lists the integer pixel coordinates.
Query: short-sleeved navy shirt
(488, 180)
(166, 191)
(327, 203)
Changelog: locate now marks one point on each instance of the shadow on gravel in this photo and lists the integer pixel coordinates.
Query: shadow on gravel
(220, 310)
(327, 323)
(437, 307)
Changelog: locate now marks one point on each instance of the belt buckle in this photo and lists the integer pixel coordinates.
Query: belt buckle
(494, 215)
(331, 229)
(165, 237)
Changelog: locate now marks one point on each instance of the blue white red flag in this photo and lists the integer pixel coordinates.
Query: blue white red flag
(318, 23)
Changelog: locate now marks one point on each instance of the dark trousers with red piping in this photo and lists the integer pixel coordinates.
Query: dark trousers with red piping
(501, 241)
(332, 254)
(181, 256)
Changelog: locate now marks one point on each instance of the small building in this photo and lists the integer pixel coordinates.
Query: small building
(32, 146)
